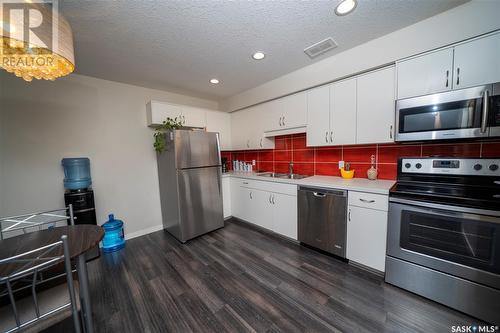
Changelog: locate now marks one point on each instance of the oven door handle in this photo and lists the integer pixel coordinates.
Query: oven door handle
(486, 107)
(494, 214)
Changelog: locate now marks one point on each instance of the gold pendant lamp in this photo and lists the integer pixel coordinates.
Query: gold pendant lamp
(36, 41)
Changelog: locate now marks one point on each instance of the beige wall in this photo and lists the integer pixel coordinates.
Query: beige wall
(469, 20)
(81, 116)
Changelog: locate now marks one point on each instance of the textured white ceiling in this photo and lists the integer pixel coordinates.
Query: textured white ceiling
(180, 45)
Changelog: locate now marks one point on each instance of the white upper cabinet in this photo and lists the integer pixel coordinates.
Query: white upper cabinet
(468, 64)
(271, 113)
(260, 115)
(294, 110)
(343, 112)
(286, 113)
(477, 62)
(220, 122)
(247, 129)
(318, 116)
(427, 74)
(239, 129)
(193, 117)
(376, 107)
(158, 112)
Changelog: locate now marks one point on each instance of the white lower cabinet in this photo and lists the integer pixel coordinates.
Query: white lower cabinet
(266, 204)
(285, 215)
(262, 211)
(226, 196)
(366, 235)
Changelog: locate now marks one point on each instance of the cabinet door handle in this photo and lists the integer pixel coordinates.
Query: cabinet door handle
(251, 195)
(273, 199)
(283, 120)
(349, 215)
(390, 132)
(447, 75)
(366, 201)
(326, 137)
(331, 136)
(280, 121)
(245, 183)
(270, 199)
(458, 76)
(248, 143)
(261, 142)
(319, 195)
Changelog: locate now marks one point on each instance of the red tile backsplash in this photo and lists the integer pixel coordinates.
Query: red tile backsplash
(329, 155)
(452, 149)
(303, 155)
(324, 160)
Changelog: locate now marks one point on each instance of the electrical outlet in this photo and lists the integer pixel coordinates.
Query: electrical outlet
(341, 164)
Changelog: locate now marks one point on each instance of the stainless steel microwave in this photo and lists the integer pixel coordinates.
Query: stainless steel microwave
(459, 114)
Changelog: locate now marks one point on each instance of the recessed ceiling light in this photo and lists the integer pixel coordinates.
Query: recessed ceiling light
(258, 55)
(214, 81)
(345, 7)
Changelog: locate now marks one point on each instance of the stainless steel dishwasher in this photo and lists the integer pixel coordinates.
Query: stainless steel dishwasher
(322, 219)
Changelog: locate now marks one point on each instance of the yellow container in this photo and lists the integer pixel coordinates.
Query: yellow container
(347, 174)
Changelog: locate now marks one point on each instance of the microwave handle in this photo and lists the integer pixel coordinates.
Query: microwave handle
(484, 120)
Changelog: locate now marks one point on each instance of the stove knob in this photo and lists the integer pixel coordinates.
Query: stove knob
(478, 167)
(418, 165)
(494, 167)
(407, 165)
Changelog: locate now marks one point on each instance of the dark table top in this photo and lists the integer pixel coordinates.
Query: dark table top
(81, 238)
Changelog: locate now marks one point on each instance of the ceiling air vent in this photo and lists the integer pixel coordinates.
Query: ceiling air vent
(320, 47)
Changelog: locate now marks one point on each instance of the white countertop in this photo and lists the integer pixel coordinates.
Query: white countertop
(355, 184)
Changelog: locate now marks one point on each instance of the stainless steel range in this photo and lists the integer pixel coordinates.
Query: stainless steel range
(443, 238)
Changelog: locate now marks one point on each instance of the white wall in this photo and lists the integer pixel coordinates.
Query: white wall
(469, 20)
(81, 116)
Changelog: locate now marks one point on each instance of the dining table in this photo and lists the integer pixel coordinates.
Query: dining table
(81, 238)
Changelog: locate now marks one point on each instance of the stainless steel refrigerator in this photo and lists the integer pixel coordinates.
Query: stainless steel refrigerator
(189, 172)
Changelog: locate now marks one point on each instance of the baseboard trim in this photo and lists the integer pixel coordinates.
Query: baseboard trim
(143, 232)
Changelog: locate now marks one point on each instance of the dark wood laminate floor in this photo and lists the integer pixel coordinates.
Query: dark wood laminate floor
(239, 279)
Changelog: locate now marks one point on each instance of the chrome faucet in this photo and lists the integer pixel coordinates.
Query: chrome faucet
(290, 168)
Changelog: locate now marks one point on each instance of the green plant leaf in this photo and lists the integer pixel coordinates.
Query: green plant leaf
(168, 124)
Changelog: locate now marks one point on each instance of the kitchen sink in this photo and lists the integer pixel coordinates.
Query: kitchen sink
(281, 175)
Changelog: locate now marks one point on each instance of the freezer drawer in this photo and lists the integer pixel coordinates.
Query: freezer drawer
(322, 219)
(195, 149)
(200, 201)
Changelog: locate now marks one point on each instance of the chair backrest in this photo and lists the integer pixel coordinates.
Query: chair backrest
(26, 267)
(21, 224)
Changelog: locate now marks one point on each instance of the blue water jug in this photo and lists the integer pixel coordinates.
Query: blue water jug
(76, 173)
(114, 239)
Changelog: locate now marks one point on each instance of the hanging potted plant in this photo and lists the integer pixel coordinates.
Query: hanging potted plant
(168, 125)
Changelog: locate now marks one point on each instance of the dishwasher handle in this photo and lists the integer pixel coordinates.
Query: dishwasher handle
(323, 192)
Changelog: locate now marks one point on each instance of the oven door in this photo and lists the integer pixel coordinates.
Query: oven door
(495, 111)
(455, 240)
(450, 115)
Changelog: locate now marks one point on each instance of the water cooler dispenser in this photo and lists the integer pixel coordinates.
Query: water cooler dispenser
(77, 182)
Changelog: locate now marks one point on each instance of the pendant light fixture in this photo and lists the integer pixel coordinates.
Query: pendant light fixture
(35, 42)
